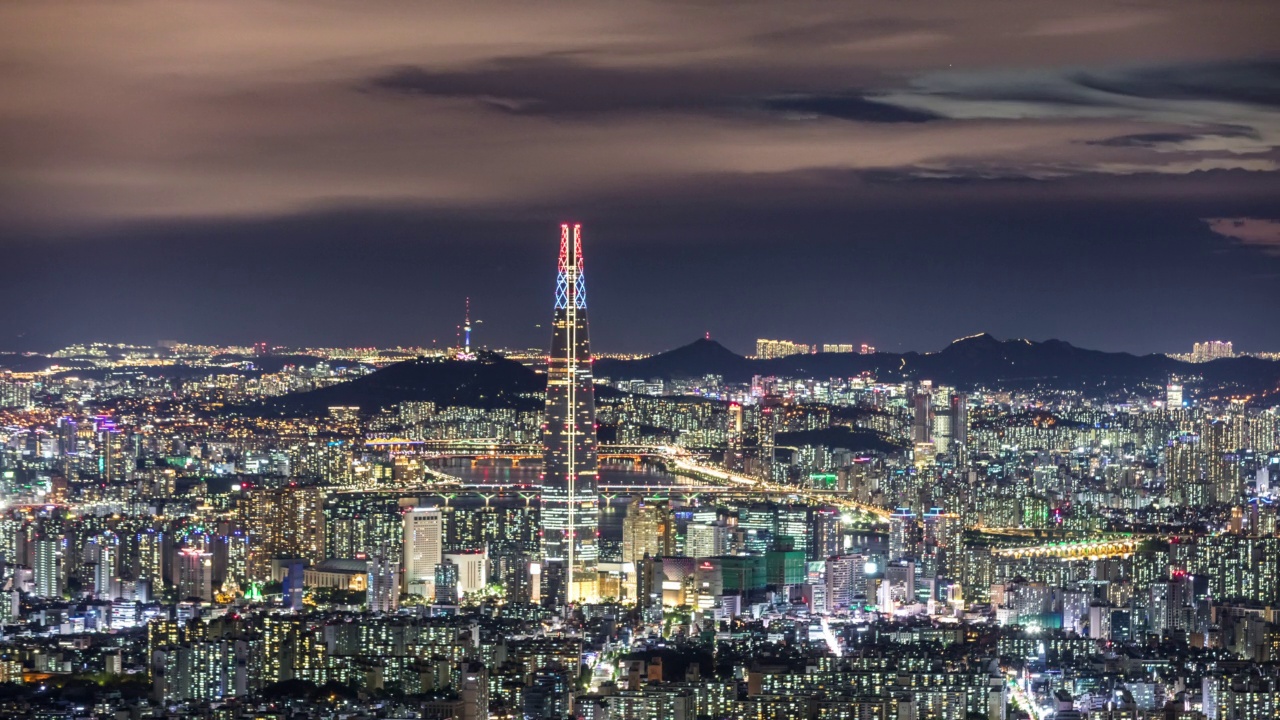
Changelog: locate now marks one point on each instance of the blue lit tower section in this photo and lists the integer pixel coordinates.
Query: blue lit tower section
(570, 500)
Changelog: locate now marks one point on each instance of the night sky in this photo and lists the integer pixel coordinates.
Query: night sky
(895, 173)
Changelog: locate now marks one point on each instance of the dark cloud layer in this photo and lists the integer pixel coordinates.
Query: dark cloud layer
(1256, 83)
(1173, 139)
(848, 107)
(560, 85)
(567, 86)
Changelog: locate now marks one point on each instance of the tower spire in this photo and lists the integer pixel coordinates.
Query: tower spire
(466, 328)
(570, 503)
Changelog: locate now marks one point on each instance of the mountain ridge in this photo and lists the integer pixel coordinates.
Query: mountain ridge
(490, 381)
(978, 361)
(972, 361)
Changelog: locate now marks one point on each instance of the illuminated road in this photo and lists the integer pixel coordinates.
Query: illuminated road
(685, 463)
(1023, 702)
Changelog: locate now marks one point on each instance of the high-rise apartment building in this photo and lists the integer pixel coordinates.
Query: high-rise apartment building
(570, 500)
(1219, 442)
(768, 349)
(383, 585)
(826, 530)
(150, 556)
(1211, 350)
(1184, 472)
(647, 529)
(284, 523)
(195, 575)
(902, 528)
(106, 580)
(47, 568)
(959, 421)
(733, 435)
(423, 549)
(14, 393)
(842, 575)
(922, 416)
(446, 583)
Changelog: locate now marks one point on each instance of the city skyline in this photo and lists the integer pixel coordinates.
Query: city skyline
(932, 371)
(843, 536)
(774, 348)
(896, 175)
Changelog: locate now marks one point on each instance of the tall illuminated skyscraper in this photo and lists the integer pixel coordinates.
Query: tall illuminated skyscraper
(47, 568)
(423, 548)
(570, 500)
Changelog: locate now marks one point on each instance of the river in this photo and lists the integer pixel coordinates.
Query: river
(611, 515)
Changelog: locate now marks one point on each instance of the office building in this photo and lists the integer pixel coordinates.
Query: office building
(473, 570)
(703, 540)
(422, 550)
(570, 501)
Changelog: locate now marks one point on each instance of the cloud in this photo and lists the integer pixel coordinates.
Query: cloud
(148, 109)
(848, 107)
(568, 86)
(1201, 116)
(559, 85)
(1246, 83)
(1183, 140)
(1261, 233)
(1207, 93)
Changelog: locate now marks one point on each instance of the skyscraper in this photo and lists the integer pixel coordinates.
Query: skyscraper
(195, 574)
(1222, 468)
(703, 540)
(960, 419)
(106, 582)
(48, 572)
(423, 549)
(383, 586)
(283, 523)
(922, 416)
(1211, 350)
(902, 527)
(446, 584)
(647, 529)
(570, 502)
